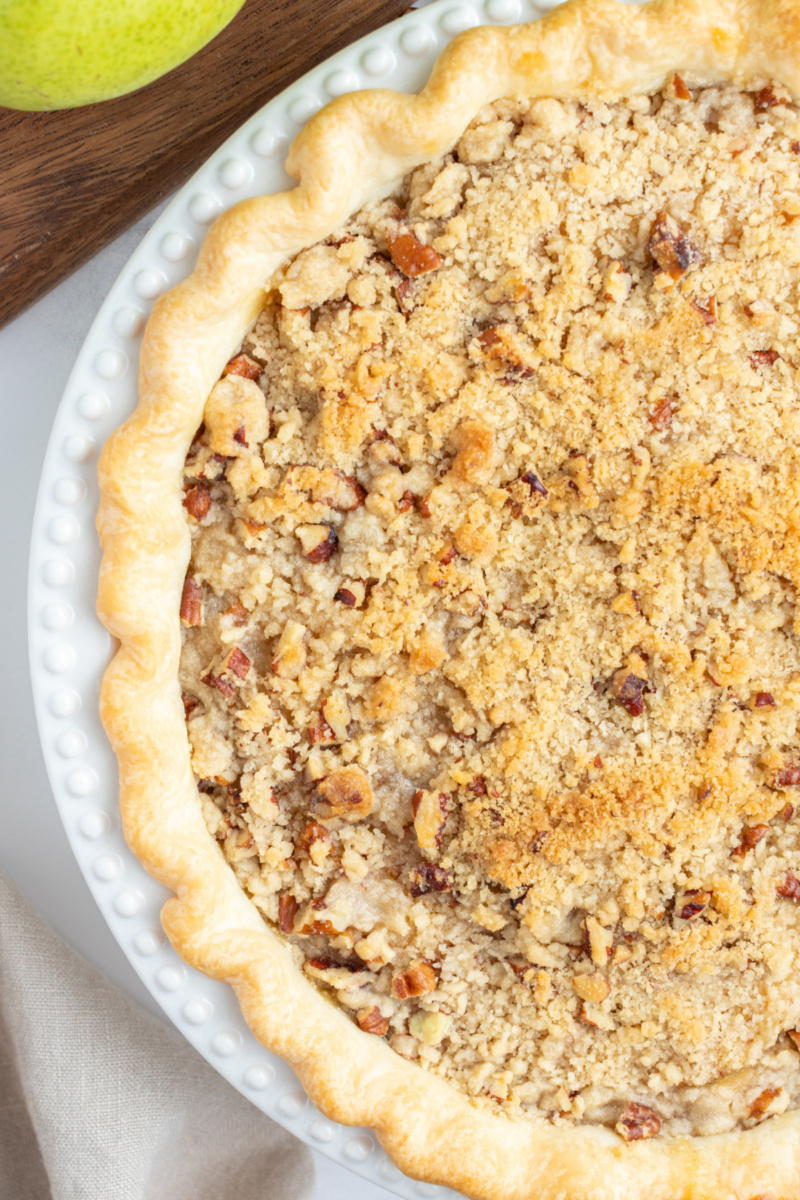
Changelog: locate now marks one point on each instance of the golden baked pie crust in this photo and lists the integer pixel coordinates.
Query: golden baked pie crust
(350, 153)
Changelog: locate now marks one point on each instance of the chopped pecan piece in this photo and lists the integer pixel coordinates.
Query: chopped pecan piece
(787, 776)
(593, 988)
(671, 250)
(341, 976)
(751, 836)
(320, 733)
(765, 99)
(617, 283)
(336, 712)
(794, 1034)
(290, 654)
(287, 911)
(197, 501)
(371, 1021)
(242, 365)
(345, 793)
(763, 700)
(240, 436)
(418, 980)
(410, 255)
(317, 542)
(238, 663)
(680, 89)
(192, 602)
(477, 786)
(600, 941)
(762, 1102)
(759, 311)
(638, 1122)
(787, 812)
(384, 449)
(315, 842)
(407, 501)
(499, 344)
(190, 705)
(224, 685)
(513, 288)
(692, 903)
(346, 597)
(763, 358)
(790, 888)
(331, 487)
(538, 840)
(660, 417)
(237, 614)
(707, 311)
(627, 688)
(430, 811)
(430, 878)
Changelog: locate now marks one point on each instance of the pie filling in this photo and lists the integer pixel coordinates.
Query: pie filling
(490, 655)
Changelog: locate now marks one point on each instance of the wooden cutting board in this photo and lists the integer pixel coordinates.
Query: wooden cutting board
(71, 181)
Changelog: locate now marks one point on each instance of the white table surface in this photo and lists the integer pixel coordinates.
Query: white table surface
(36, 355)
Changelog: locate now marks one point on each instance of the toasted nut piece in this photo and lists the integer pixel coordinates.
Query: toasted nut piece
(430, 810)
(690, 904)
(336, 712)
(679, 89)
(638, 1122)
(707, 311)
(242, 365)
(660, 417)
(192, 602)
(346, 597)
(190, 705)
(345, 793)
(430, 878)
(410, 255)
(429, 1027)
(235, 416)
(763, 358)
(592, 987)
(751, 836)
(512, 288)
(317, 542)
(335, 975)
(766, 99)
(320, 733)
(197, 501)
(315, 842)
(790, 888)
(290, 654)
(238, 662)
(418, 980)
(672, 252)
(794, 1034)
(627, 688)
(287, 911)
(475, 452)
(786, 776)
(763, 1102)
(329, 486)
(616, 283)
(371, 1021)
(760, 312)
(762, 700)
(601, 941)
(427, 654)
(384, 449)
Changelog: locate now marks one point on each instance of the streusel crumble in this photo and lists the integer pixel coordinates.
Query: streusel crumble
(491, 665)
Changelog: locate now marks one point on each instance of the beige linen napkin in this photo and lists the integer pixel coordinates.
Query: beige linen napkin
(100, 1101)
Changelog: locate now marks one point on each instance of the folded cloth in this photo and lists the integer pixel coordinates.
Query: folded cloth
(100, 1101)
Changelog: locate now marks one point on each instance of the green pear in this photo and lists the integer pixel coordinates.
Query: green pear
(64, 53)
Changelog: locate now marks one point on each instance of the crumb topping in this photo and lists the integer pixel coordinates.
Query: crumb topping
(490, 656)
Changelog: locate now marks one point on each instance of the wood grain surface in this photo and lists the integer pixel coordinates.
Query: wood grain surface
(73, 180)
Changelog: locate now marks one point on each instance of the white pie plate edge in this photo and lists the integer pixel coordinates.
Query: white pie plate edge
(69, 649)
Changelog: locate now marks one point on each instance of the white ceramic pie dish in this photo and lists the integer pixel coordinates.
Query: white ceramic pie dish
(68, 646)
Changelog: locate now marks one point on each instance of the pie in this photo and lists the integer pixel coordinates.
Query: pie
(453, 552)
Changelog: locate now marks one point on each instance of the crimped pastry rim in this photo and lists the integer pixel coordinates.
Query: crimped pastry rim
(352, 151)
